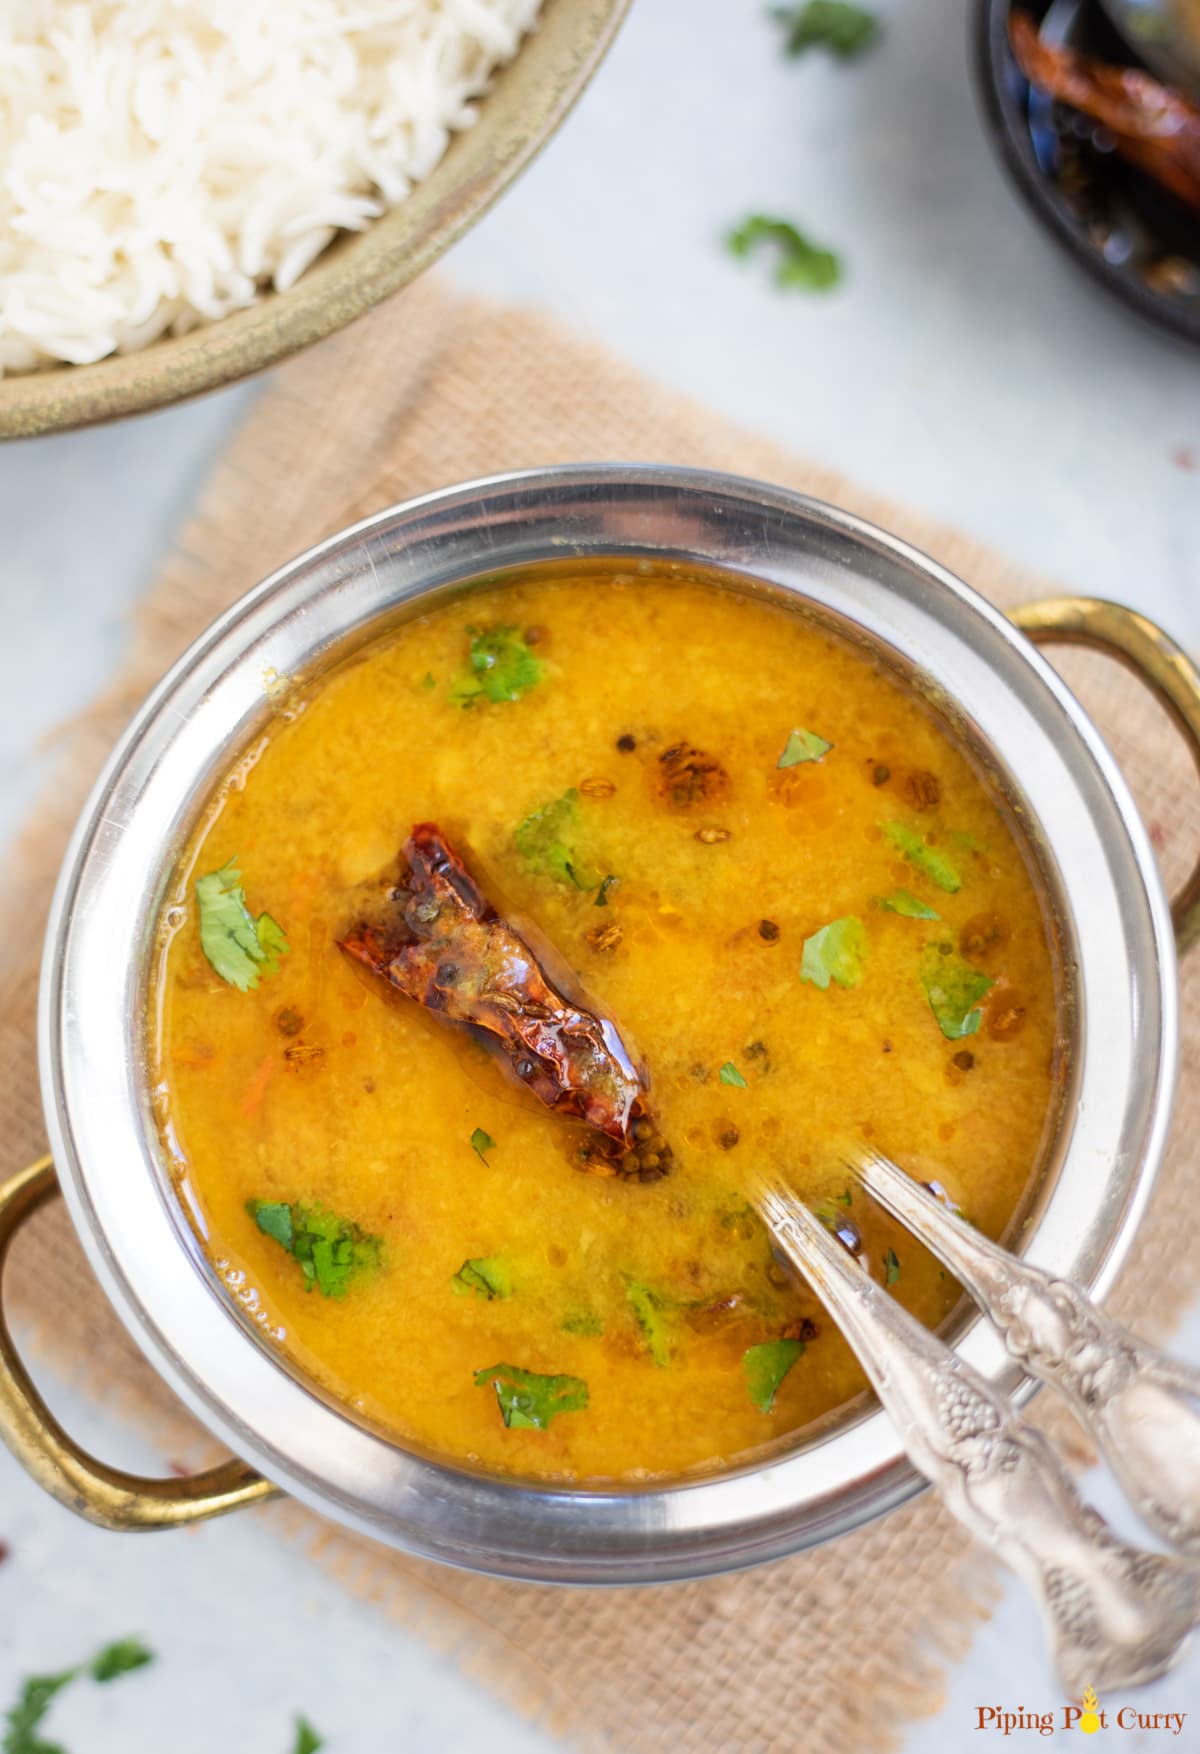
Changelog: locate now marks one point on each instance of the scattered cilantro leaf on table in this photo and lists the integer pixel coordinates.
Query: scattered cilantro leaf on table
(802, 266)
(239, 947)
(528, 1400)
(843, 29)
(308, 1741)
(119, 1658)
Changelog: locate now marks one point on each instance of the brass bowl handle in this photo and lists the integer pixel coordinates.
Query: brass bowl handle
(1156, 660)
(103, 1495)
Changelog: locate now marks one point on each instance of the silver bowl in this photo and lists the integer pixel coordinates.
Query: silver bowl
(1040, 747)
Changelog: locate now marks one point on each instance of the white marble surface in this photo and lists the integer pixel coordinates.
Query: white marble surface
(963, 367)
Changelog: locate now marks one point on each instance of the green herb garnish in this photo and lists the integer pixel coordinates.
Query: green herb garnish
(835, 953)
(23, 1720)
(428, 680)
(481, 1142)
(119, 1658)
(330, 1251)
(803, 746)
(729, 1074)
(954, 990)
(585, 1322)
(891, 1266)
(802, 265)
(307, 1739)
(648, 1307)
(936, 866)
(602, 892)
(845, 1198)
(529, 1401)
(546, 841)
(487, 1276)
(501, 667)
(766, 1366)
(237, 945)
(909, 906)
(843, 29)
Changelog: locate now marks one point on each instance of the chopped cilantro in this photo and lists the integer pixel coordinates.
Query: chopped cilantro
(307, 1739)
(802, 265)
(843, 29)
(905, 903)
(428, 680)
(648, 1307)
(25, 1717)
(845, 1198)
(891, 1266)
(803, 746)
(835, 953)
(501, 667)
(238, 946)
(602, 892)
(954, 990)
(330, 1251)
(583, 1321)
(766, 1366)
(120, 1658)
(481, 1142)
(729, 1074)
(936, 866)
(546, 841)
(529, 1401)
(487, 1276)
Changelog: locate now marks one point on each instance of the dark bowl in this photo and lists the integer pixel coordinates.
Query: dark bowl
(1125, 230)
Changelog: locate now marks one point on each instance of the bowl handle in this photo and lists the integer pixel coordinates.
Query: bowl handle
(1156, 660)
(103, 1495)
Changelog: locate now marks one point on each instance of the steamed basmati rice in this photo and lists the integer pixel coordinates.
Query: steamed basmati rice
(161, 161)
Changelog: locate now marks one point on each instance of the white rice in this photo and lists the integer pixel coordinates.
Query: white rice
(161, 161)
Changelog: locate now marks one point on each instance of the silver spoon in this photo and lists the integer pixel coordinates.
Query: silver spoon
(1117, 1615)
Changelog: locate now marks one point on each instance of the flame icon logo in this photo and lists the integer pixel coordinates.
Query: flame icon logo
(1089, 1723)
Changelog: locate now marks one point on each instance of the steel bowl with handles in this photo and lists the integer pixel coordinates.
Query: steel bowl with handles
(526, 102)
(1096, 861)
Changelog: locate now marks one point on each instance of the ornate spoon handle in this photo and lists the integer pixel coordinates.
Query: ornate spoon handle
(1117, 1615)
(1142, 1407)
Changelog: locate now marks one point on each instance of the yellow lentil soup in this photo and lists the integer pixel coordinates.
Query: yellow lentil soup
(735, 835)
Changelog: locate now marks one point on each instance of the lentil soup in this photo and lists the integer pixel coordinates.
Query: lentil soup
(517, 945)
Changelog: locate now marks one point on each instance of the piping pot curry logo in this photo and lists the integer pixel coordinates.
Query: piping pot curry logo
(1088, 1716)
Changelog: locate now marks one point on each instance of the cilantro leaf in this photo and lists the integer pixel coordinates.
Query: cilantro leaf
(648, 1307)
(119, 1658)
(237, 945)
(500, 667)
(481, 1142)
(954, 989)
(803, 746)
(583, 1321)
(529, 1401)
(487, 1276)
(766, 1366)
(891, 1266)
(843, 29)
(330, 1251)
(905, 903)
(307, 1740)
(845, 1198)
(546, 841)
(835, 953)
(729, 1074)
(936, 866)
(25, 1717)
(802, 265)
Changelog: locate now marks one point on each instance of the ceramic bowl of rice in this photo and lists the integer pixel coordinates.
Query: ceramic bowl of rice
(193, 189)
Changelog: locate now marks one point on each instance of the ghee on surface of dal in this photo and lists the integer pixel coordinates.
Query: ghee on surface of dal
(321, 1086)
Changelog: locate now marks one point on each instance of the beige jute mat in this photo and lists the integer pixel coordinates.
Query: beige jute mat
(829, 1652)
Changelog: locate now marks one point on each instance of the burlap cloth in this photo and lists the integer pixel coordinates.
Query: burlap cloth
(829, 1652)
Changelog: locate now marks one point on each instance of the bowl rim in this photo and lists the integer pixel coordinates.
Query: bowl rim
(103, 1139)
(526, 102)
